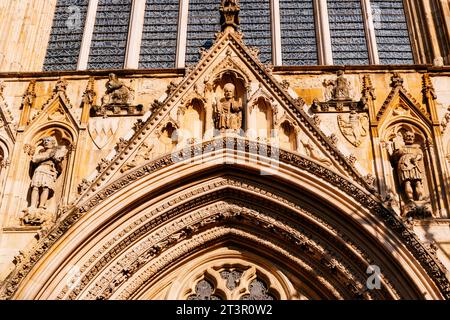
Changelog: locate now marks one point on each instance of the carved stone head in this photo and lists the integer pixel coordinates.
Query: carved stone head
(49, 142)
(229, 91)
(409, 137)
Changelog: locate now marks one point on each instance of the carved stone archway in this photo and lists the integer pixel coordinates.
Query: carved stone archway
(148, 222)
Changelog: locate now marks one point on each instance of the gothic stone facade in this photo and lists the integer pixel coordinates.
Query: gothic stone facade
(230, 179)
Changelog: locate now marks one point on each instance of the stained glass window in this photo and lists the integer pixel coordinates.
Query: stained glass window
(348, 38)
(159, 39)
(298, 35)
(391, 32)
(66, 35)
(109, 40)
(255, 24)
(203, 23)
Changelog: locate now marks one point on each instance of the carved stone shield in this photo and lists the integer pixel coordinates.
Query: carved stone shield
(102, 130)
(354, 127)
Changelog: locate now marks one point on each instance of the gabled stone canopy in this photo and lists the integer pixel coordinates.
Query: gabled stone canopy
(228, 55)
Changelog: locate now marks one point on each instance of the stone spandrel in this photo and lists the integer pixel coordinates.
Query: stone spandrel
(159, 38)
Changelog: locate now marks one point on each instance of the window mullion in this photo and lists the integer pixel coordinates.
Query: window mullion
(370, 32)
(325, 55)
(276, 33)
(180, 60)
(87, 35)
(136, 28)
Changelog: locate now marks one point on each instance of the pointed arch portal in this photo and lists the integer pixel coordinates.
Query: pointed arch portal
(160, 229)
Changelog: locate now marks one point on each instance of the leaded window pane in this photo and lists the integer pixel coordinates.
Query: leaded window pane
(110, 35)
(255, 24)
(391, 32)
(203, 23)
(298, 36)
(66, 35)
(348, 39)
(159, 38)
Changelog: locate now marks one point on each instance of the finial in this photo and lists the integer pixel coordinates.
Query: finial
(229, 11)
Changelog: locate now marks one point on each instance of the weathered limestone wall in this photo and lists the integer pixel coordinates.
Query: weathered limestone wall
(25, 27)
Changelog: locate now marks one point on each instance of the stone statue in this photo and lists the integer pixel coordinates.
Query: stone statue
(117, 100)
(47, 160)
(341, 88)
(228, 110)
(229, 10)
(407, 157)
(116, 92)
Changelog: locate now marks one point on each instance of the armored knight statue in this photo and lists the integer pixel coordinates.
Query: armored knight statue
(228, 110)
(47, 160)
(407, 157)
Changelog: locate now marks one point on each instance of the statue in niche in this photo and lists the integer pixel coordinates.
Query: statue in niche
(228, 110)
(47, 160)
(407, 157)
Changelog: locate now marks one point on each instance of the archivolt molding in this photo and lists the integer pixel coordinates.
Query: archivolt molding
(236, 211)
(208, 238)
(26, 261)
(224, 143)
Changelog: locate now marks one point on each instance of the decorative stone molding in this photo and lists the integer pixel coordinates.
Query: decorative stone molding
(398, 89)
(232, 40)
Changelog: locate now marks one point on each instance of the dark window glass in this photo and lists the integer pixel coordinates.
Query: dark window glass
(391, 31)
(348, 38)
(203, 23)
(159, 39)
(255, 24)
(109, 40)
(66, 35)
(298, 35)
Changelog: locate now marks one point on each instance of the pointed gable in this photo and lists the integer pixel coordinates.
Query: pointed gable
(227, 57)
(56, 109)
(401, 103)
